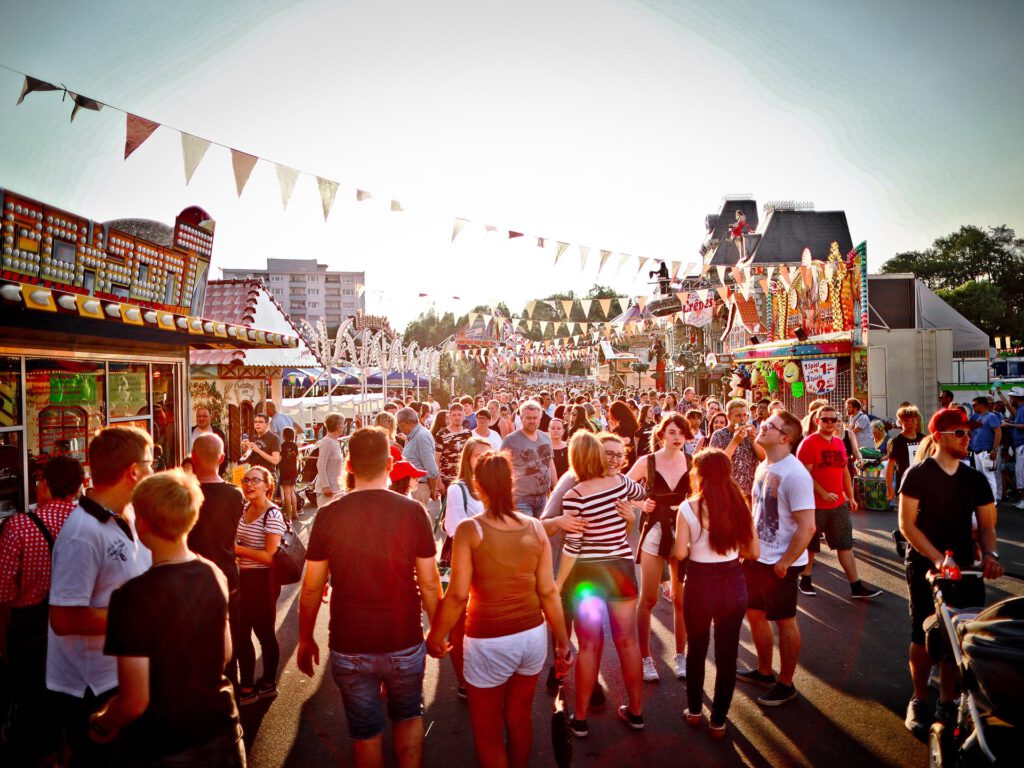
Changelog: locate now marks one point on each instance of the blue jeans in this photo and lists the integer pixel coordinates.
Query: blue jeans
(714, 592)
(359, 676)
(532, 505)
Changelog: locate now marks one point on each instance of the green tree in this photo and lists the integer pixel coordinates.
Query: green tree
(430, 329)
(979, 271)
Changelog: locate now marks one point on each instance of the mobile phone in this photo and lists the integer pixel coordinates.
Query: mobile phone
(245, 436)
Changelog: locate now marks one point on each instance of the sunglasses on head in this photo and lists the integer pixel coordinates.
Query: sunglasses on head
(960, 434)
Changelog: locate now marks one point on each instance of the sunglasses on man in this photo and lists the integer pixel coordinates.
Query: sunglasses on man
(959, 434)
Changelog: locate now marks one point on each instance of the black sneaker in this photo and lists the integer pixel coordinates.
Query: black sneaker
(918, 720)
(754, 677)
(551, 684)
(597, 699)
(579, 728)
(779, 694)
(861, 591)
(805, 587)
(636, 722)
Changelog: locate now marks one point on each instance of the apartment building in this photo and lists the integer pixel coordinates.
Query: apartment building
(308, 290)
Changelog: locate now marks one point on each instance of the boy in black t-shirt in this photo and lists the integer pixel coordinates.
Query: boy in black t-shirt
(902, 449)
(169, 630)
(937, 498)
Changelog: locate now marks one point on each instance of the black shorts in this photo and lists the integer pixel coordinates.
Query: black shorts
(609, 580)
(969, 593)
(837, 526)
(767, 592)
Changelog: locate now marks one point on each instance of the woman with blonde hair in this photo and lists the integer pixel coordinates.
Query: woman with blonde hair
(258, 535)
(597, 574)
(501, 559)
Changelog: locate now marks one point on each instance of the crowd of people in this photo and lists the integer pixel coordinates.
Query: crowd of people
(133, 605)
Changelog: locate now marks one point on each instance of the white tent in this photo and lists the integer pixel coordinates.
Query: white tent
(312, 410)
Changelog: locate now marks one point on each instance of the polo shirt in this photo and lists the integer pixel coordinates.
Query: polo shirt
(984, 437)
(94, 554)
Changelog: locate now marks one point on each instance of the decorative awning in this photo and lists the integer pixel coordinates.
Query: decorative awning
(65, 310)
(837, 344)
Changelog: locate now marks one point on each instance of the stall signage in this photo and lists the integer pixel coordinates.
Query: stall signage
(819, 376)
(72, 389)
(696, 312)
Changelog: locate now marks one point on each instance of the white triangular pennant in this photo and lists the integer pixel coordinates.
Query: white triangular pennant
(560, 250)
(567, 306)
(286, 178)
(242, 165)
(604, 258)
(328, 191)
(193, 149)
(585, 303)
(584, 252)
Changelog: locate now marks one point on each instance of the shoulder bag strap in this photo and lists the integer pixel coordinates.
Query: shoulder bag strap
(651, 468)
(465, 496)
(42, 528)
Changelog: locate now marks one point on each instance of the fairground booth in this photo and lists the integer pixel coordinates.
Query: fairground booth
(96, 324)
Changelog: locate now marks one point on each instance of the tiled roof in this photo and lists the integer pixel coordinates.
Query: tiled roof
(744, 311)
(786, 233)
(245, 302)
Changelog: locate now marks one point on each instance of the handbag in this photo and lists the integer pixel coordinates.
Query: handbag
(290, 557)
(445, 558)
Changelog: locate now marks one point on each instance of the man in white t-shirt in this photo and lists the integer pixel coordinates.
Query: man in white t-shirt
(96, 552)
(783, 501)
(859, 423)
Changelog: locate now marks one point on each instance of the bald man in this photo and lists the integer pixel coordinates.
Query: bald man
(213, 535)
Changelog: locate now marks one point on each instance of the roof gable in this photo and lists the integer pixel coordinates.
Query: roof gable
(785, 235)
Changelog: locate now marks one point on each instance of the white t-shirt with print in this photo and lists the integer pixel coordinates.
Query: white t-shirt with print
(90, 560)
(779, 489)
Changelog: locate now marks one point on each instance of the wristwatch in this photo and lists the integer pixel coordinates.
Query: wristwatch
(993, 555)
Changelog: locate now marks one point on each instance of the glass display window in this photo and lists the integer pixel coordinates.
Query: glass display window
(128, 390)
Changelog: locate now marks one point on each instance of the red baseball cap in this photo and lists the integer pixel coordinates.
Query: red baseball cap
(948, 419)
(403, 469)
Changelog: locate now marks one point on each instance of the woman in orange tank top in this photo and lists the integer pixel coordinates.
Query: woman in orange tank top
(501, 566)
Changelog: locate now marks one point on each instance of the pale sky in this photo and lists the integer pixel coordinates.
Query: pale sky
(610, 124)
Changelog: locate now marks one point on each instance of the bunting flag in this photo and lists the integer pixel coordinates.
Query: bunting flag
(242, 165)
(702, 294)
(584, 326)
(396, 207)
(362, 194)
(585, 304)
(83, 102)
(137, 130)
(512, 235)
(530, 306)
(785, 277)
(606, 306)
(683, 298)
(544, 326)
(193, 149)
(723, 292)
(764, 286)
(643, 260)
(560, 250)
(360, 289)
(488, 228)
(689, 268)
(769, 271)
(567, 307)
(541, 242)
(745, 285)
(286, 178)
(721, 274)
(328, 190)
(32, 85)
(604, 258)
(457, 227)
(676, 265)
(641, 301)
(737, 276)
(704, 270)
(584, 252)
(623, 258)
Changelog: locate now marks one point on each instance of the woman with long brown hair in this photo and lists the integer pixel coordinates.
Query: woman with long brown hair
(623, 423)
(577, 421)
(503, 560)
(664, 474)
(714, 528)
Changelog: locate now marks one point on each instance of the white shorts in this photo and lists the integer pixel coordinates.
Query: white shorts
(652, 542)
(490, 661)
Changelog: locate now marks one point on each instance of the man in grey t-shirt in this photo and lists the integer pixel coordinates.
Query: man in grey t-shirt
(533, 463)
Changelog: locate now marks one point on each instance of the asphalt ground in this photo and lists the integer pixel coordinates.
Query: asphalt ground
(852, 680)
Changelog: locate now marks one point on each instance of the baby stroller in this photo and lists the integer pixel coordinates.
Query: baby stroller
(304, 489)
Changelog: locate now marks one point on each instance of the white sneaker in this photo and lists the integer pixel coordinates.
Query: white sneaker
(1019, 504)
(680, 666)
(650, 671)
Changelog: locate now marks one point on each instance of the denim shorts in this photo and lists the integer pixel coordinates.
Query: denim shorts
(532, 506)
(360, 676)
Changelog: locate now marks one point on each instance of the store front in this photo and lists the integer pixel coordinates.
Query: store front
(76, 357)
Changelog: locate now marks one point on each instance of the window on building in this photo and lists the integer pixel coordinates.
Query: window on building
(313, 291)
(346, 292)
(349, 279)
(313, 305)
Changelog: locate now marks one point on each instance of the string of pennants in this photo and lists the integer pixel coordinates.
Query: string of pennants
(139, 129)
